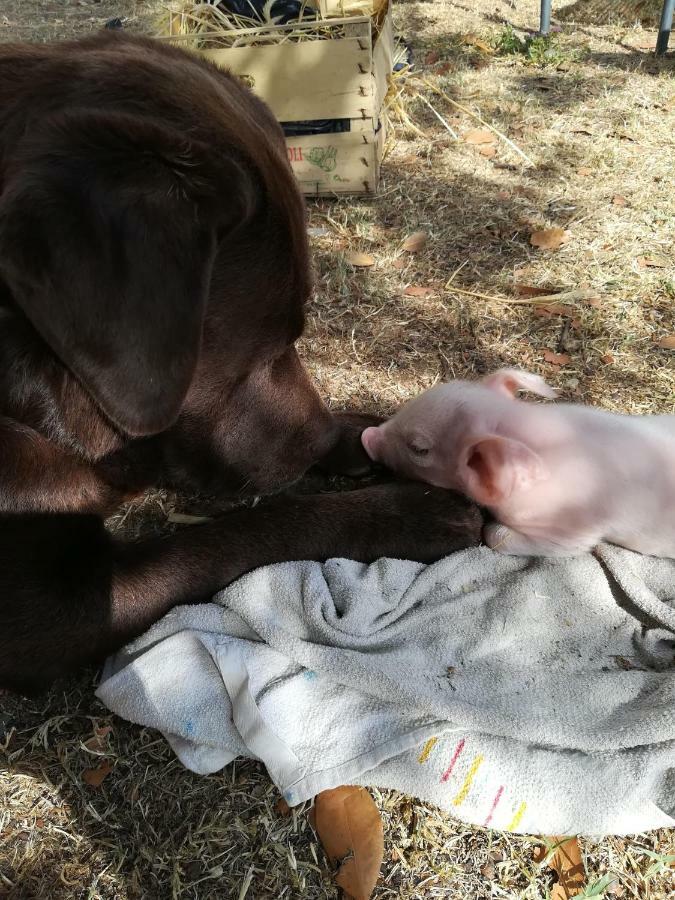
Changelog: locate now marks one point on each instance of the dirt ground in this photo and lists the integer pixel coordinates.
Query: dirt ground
(590, 119)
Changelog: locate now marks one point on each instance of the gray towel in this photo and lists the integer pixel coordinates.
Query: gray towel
(534, 695)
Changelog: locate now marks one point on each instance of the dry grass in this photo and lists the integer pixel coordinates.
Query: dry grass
(598, 124)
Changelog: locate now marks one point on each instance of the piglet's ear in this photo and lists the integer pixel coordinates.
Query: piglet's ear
(494, 467)
(510, 381)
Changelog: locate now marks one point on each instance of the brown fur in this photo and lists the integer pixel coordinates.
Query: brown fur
(153, 273)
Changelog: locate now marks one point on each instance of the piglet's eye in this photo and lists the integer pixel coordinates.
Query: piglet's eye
(418, 450)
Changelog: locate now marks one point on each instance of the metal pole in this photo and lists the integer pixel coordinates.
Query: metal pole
(664, 27)
(545, 18)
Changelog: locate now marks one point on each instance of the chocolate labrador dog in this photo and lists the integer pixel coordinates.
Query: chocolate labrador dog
(153, 272)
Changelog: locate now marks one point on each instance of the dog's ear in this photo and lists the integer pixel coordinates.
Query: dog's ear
(108, 232)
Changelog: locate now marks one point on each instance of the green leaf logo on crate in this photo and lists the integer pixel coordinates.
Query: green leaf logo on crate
(323, 157)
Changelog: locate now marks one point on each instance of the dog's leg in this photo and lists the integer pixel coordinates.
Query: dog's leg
(71, 594)
(37, 475)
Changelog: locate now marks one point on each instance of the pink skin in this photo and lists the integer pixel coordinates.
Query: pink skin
(558, 479)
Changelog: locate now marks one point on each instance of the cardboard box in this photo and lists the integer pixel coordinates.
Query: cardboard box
(343, 77)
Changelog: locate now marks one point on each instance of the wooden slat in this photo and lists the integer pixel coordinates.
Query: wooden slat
(383, 61)
(335, 163)
(307, 80)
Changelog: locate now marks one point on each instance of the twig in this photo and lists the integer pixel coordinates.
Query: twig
(452, 289)
(543, 300)
(474, 115)
(440, 118)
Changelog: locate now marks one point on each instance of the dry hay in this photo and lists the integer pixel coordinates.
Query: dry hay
(210, 25)
(598, 126)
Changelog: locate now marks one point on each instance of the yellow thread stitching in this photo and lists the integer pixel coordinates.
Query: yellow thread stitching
(428, 747)
(470, 775)
(515, 822)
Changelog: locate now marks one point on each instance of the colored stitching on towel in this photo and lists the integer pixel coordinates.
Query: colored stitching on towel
(470, 775)
(455, 757)
(494, 805)
(428, 747)
(515, 822)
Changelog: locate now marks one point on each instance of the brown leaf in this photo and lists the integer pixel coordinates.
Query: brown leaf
(503, 195)
(549, 238)
(653, 262)
(608, 359)
(350, 829)
(400, 263)
(488, 151)
(584, 171)
(667, 343)
(418, 290)
(472, 40)
(619, 200)
(532, 290)
(557, 359)
(94, 777)
(415, 241)
(361, 260)
(431, 58)
(479, 136)
(281, 808)
(567, 862)
(98, 742)
(555, 309)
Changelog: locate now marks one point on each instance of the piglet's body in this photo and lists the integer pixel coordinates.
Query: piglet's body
(558, 479)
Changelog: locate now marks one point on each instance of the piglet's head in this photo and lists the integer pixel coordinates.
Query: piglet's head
(447, 437)
(419, 441)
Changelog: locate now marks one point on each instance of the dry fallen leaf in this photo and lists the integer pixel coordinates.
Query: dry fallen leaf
(619, 200)
(667, 343)
(548, 238)
(503, 195)
(567, 862)
(584, 171)
(361, 260)
(653, 262)
(479, 136)
(533, 290)
(98, 742)
(282, 808)
(350, 829)
(418, 290)
(472, 40)
(557, 359)
(489, 150)
(94, 777)
(415, 241)
(399, 263)
(555, 309)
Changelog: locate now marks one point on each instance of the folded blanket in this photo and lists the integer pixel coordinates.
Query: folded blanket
(534, 695)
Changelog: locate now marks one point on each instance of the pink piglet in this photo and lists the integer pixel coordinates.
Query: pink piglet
(558, 478)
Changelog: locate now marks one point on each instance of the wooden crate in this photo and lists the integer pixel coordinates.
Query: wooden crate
(344, 77)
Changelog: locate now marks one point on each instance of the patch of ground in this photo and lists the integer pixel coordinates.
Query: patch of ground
(594, 113)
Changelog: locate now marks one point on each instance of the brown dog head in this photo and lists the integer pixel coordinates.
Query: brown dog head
(153, 264)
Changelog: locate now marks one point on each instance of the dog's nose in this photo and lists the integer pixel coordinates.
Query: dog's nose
(347, 456)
